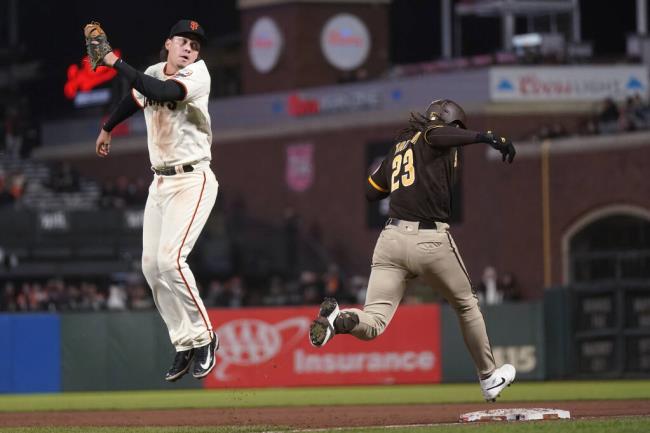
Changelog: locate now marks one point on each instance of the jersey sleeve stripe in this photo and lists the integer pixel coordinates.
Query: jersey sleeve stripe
(374, 185)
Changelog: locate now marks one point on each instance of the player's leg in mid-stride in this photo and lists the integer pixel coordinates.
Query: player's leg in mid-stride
(386, 287)
(449, 277)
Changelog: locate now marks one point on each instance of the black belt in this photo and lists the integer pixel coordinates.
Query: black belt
(170, 171)
(421, 225)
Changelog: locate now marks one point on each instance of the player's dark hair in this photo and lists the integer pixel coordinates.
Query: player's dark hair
(418, 122)
(164, 53)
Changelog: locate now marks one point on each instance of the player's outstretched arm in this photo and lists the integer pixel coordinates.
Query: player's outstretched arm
(451, 136)
(100, 53)
(152, 88)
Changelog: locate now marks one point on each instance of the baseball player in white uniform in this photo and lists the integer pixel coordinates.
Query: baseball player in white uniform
(174, 95)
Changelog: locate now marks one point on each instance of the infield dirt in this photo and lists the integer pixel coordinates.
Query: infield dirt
(311, 416)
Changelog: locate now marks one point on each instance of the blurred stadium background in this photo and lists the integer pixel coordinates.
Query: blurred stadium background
(306, 95)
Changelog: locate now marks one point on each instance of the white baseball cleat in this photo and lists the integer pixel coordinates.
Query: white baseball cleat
(500, 379)
(322, 329)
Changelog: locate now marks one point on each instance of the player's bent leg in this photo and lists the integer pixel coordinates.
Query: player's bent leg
(386, 287)
(385, 290)
(331, 321)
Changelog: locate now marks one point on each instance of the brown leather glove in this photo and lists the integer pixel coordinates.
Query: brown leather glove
(97, 45)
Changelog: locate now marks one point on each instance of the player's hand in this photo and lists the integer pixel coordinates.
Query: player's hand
(103, 144)
(110, 59)
(503, 145)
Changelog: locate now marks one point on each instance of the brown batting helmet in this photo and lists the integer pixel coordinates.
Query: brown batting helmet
(447, 111)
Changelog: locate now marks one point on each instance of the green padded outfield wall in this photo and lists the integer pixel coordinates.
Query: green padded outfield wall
(558, 333)
(516, 332)
(116, 351)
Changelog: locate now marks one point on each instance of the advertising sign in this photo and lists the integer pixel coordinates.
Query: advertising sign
(567, 83)
(81, 85)
(345, 42)
(300, 105)
(299, 172)
(270, 347)
(264, 44)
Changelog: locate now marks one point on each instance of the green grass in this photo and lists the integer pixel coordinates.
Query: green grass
(618, 425)
(412, 394)
(397, 394)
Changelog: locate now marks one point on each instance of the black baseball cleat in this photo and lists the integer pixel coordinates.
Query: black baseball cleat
(322, 328)
(205, 358)
(181, 365)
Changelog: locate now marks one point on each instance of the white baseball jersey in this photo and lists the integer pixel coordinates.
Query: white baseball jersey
(179, 132)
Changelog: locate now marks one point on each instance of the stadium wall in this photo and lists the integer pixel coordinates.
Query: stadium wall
(260, 347)
(30, 353)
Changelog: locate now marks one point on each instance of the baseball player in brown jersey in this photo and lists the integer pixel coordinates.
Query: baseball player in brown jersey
(174, 96)
(418, 174)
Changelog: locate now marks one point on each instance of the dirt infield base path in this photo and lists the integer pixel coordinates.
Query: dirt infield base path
(311, 417)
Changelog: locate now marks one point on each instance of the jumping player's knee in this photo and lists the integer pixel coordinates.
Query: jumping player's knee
(149, 268)
(466, 307)
(167, 262)
(376, 330)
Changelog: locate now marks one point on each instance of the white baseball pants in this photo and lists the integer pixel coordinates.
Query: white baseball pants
(177, 209)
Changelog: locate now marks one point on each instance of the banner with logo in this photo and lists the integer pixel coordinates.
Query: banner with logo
(299, 172)
(567, 83)
(270, 347)
(265, 43)
(345, 41)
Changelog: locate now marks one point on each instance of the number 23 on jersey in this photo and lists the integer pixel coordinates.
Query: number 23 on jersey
(403, 170)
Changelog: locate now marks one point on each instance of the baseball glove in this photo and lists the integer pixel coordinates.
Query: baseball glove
(97, 45)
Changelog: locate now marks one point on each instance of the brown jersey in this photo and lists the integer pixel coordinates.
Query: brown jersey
(419, 173)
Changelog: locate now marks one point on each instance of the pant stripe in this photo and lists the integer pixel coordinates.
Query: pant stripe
(460, 262)
(178, 258)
